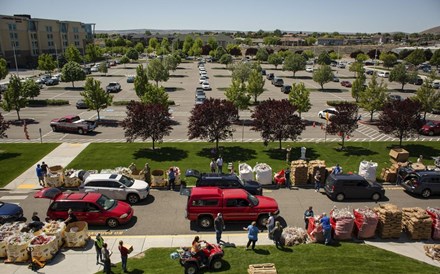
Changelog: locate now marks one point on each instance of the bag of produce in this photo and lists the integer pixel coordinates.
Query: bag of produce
(75, 234)
(365, 222)
(3, 237)
(43, 247)
(263, 174)
(245, 172)
(55, 228)
(315, 230)
(434, 213)
(342, 221)
(16, 247)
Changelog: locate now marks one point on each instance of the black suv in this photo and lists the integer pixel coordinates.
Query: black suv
(270, 76)
(425, 183)
(352, 186)
(224, 181)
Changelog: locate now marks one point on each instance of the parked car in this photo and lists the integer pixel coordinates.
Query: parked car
(417, 81)
(394, 97)
(352, 186)
(341, 65)
(335, 78)
(203, 78)
(278, 82)
(116, 186)
(436, 85)
(200, 92)
(200, 100)
(93, 208)
(286, 89)
(204, 203)
(263, 72)
(430, 128)
(309, 69)
(369, 72)
(130, 79)
(346, 84)
(270, 76)
(206, 86)
(224, 181)
(10, 212)
(113, 87)
(80, 104)
(384, 74)
(95, 68)
(52, 81)
(43, 79)
(424, 183)
(72, 123)
(328, 112)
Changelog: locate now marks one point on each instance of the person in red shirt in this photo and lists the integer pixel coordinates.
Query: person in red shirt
(124, 255)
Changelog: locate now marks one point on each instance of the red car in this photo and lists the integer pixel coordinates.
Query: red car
(346, 84)
(93, 208)
(431, 128)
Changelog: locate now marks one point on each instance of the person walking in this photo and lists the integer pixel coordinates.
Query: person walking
(219, 225)
(276, 234)
(287, 177)
(219, 163)
(317, 179)
(124, 256)
(40, 175)
(171, 178)
(99, 241)
(270, 225)
(107, 262)
(44, 168)
(307, 215)
(213, 165)
(252, 230)
(326, 228)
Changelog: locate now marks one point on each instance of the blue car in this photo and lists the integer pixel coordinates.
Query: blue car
(10, 212)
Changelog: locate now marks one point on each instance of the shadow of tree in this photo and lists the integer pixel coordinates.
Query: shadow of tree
(356, 151)
(178, 76)
(420, 149)
(8, 155)
(233, 153)
(162, 154)
(74, 88)
(280, 154)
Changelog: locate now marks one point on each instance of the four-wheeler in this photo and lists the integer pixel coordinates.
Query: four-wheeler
(193, 263)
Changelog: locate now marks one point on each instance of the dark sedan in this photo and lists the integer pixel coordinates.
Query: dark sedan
(10, 212)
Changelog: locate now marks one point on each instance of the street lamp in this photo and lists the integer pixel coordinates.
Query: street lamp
(15, 57)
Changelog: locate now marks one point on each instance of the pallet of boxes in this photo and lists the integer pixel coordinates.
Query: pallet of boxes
(55, 176)
(299, 173)
(417, 223)
(313, 167)
(390, 221)
(398, 157)
(267, 268)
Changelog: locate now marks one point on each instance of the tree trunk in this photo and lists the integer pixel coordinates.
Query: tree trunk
(18, 114)
(371, 116)
(280, 144)
(99, 118)
(73, 84)
(255, 99)
(153, 143)
(343, 140)
(322, 86)
(403, 84)
(424, 116)
(157, 83)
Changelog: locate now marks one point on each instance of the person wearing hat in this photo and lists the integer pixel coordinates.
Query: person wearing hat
(99, 242)
(219, 225)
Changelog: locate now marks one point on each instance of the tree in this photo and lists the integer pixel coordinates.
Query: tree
(233, 49)
(271, 40)
(427, 96)
(152, 44)
(95, 97)
(30, 88)
(14, 98)
(299, 96)
(93, 53)
(139, 47)
(401, 75)
(147, 121)
(187, 44)
(255, 84)
(374, 96)
(241, 71)
(157, 71)
(323, 75)
(308, 54)
(171, 62)
(357, 68)
(388, 59)
(72, 54)
(334, 56)
(164, 47)
(416, 57)
(262, 54)
(219, 52)
(344, 122)
(275, 59)
(197, 47)
(3, 69)
(141, 81)
(358, 86)
(400, 118)
(276, 121)
(71, 72)
(294, 62)
(226, 59)
(435, 59)
(324, 58)
(212, 42)
(155, 95)
(132, 54)
(4, 125)
(46, 63)
(103, 68)
(362, 57)
(212, 120)
(237, 94)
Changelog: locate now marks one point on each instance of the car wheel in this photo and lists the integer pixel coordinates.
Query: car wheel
(81, 131)
(375, 197)
(205, 222)
(132, 198)
(426, 193)
(320, 116)
(191, 268)
(431, 133)
(340, 197)
(112, 222)
(217, 264)
(262, 220)
(54, 128)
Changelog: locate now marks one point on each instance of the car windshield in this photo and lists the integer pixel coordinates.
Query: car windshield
(105, 202)
(128, 182)
(253, 199)
(431, 124)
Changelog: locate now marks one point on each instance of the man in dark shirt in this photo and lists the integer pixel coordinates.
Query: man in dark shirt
(71, 218)
(124, 255)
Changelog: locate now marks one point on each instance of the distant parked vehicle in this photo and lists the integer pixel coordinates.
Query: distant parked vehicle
(113, 87)
(72, 123)
(130, 79)
(431, 128)
(286, 89)
(346, 84)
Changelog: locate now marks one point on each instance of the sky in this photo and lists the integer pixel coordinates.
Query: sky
(352, 16)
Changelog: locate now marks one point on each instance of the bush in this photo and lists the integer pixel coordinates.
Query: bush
(47, 102)
(125, 103)
(335, 103)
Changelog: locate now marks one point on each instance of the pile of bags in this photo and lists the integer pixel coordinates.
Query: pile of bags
(432, 251)
(367, 169)
(43, 247)
(365, 222)
(245, 172)
(7, 230)
(75, 234)
(293, 236)
(435, 217)
(390, 221)
(298, 172)
(16, 247)
(263, 173)
(56, 229)
(342, 221)
(313, 167)
(314, 230)
(417, 223)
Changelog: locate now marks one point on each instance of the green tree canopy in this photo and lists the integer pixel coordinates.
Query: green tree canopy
(255, 84)
(46, 63)
(322, 75)
(262, 54)
(416, 57)
(237, 94)
(294, 62)
(324, 58)
(72, 54)
(93, 53)
(157, 71)
(275, 59)
(187, 44)
(3, 69)
(71, 72)
(152, 44)
(388, 59)
(139, 47)
(141, 81)
(103, 68)
(132, 54)
(401, 75)
(15, 97)
(374, 97)
(241, 71)
(226, 59)
(427, 96)
(435, 59)
(197, 47)
(212, 42)
(155, 95)
(30, 88)
(95, 97)
(299, 96)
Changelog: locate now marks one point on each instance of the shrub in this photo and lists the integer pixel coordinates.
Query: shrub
(335, 103)
(47, 102)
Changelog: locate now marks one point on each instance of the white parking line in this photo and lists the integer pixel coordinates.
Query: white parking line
(13, 197)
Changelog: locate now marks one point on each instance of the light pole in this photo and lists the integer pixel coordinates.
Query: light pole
(56, 54)
(15, 57)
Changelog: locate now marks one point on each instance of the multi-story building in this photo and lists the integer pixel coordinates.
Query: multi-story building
(23, 39)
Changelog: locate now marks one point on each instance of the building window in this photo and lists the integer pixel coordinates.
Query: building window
(75, 29)
(49, 28)
(15, 44)
(50, 36)
(50, 43)
(76, 43)
(76, 37)
(35, 52)
(63, 27)
(12, 26)
(65, 44)
(64, 36)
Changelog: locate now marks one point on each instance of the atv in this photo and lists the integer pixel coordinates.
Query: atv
(193, 263)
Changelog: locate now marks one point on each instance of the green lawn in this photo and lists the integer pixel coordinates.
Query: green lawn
(17, 158)
(197, 155)
(310, 258)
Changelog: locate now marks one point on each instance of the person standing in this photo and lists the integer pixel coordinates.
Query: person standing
(307, 215)
(220, 164)
(124, 255)
(252, 230)
(337, 169)
(287, 177)
(40, 175)
(44, 168)
(99, 242)
(219, 225)
(276, 234)
(107, 262)
(147, 173)
(270, 225)
(213, 165)
(171, 178)
(317, 179)
(326, 228)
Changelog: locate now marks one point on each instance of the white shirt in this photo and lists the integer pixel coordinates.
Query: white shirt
(220, 162)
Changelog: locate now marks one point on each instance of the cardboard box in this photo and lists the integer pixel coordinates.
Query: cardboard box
(399, 154)
(129, 248)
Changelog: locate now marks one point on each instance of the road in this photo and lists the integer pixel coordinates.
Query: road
(163, 213)
(180, 88)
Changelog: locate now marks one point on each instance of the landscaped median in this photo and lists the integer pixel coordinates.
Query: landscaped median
(307, 258)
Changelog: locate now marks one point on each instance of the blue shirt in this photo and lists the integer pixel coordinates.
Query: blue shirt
(252, 232)
(325, 221)
(171, 174)
(39, 171)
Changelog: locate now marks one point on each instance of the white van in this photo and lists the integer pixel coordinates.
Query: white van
(384, 74)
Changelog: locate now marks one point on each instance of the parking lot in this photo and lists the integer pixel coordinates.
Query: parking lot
(180, 88)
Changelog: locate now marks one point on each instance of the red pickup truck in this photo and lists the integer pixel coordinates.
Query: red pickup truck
(204, 203)
(73, 123)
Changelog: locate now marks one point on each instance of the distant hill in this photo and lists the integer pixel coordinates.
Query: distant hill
(434, 30)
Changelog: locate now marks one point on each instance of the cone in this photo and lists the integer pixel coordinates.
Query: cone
(322, 126)
(314, 124)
